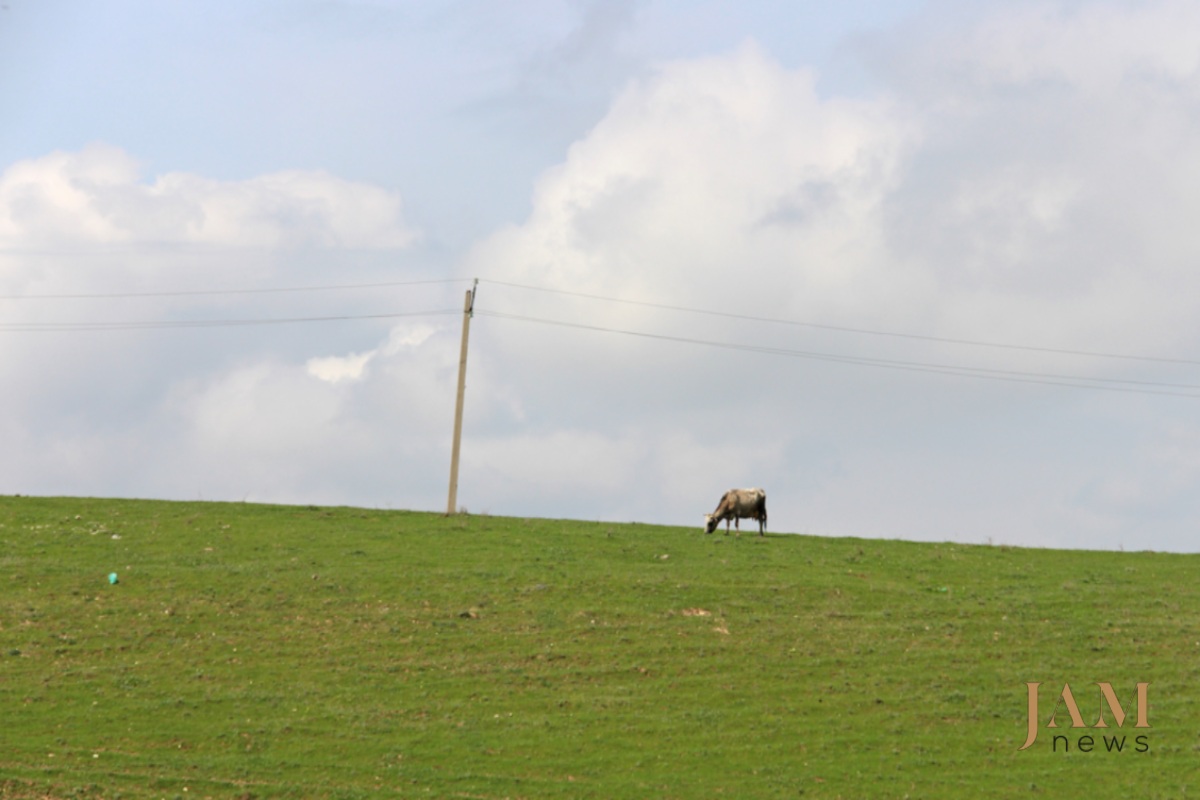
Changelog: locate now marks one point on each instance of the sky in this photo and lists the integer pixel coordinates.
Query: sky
(921, 270)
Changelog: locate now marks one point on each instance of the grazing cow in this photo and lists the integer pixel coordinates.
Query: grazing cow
(738, 504)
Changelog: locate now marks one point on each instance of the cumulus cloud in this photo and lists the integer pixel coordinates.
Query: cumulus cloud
(97, 196)
(702, 168)
(231, 412)
(353, 367)
(339, 368)
(1093, 47)
(1057, 216)
(960, 208)
(1056, 172)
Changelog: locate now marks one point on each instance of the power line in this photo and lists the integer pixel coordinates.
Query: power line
(218, 292)
(844, 329)
(1014, 376)
(605, 298)
(1077, 381)
(70, 327)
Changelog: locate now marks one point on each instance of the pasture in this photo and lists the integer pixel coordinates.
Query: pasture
(303, 652)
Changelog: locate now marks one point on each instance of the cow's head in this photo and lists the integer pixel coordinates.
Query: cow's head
(710, 523)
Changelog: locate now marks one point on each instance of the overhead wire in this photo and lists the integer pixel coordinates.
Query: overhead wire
(49, 327)
(845, 329)
(1016, 376)
(215, 323)
(605, 298)
(1045, 378)
(219, 292)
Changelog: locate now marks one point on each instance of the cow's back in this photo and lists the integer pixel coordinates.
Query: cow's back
(745, 502)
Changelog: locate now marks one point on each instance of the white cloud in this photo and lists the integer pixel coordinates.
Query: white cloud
(339, 368)
(696, 174)
(407, 337)
(353, 367)
(97, 196)
(263, 411)
(1050, 195)
(54, 198)
(228, 412)
(729, 183)
(1094, 46)
(563, 461)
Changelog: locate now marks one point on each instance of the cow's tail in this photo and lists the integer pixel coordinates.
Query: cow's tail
(762, 512)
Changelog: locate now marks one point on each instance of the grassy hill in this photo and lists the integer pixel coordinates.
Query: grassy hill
(267, 651)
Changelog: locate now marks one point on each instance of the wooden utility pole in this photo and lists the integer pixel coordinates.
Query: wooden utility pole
(468, 311)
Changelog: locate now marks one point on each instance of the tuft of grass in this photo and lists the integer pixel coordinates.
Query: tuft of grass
(273, 651)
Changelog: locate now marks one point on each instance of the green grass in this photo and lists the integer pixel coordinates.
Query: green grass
(272, 651)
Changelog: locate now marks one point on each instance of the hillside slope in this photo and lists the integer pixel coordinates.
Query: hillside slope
(273, 651)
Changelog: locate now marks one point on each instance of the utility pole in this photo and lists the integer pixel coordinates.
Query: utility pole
(468, 312)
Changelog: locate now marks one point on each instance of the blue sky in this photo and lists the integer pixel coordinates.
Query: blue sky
(963, 233)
